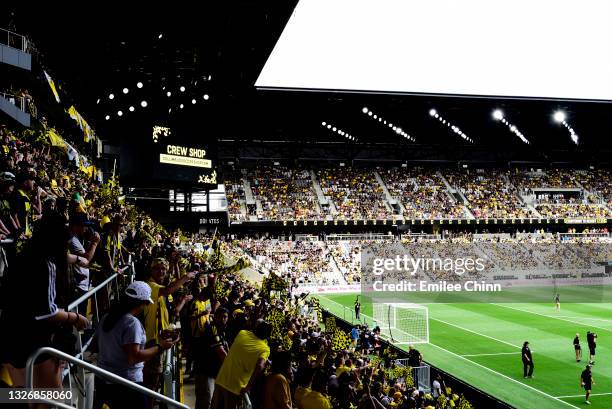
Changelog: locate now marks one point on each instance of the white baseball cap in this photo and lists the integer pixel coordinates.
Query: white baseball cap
(140, 291)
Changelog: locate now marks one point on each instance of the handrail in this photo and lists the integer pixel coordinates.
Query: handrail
(19, 101)
(91, 292)
(96, 371)
(24, 40)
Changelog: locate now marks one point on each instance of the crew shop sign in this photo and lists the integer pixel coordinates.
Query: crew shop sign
(184, 156)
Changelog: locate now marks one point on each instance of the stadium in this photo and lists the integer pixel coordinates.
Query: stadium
(306, 204)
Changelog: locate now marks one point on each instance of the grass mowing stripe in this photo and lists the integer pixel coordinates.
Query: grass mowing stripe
(474, 332)
(552, 316)
(505, 376)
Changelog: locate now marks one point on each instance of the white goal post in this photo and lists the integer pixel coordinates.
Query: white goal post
(402, 323)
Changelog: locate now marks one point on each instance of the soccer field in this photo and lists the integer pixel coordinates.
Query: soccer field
(481, 344)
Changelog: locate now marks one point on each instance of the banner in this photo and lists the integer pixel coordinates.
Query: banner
(52, 86)
(88, 133)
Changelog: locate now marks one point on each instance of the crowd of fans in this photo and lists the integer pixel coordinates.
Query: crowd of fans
(242, 341)
(489, 194)
(289, 194)
(284, 193)
(422, 193)
(355, 193)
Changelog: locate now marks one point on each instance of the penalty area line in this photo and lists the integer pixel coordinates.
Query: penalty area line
(493, 354)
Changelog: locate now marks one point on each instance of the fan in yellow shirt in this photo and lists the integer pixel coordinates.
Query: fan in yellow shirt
(245, 361)
(316, 399)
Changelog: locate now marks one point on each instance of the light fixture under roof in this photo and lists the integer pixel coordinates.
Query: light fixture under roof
(168, 94)
(131, 108)
(120, 113)
(111, 96)
(139, 84)
(107, 117)
(559, 116)
(125, 90)
(182, 88)
(143, 104)
(206, 97)
(193, 101)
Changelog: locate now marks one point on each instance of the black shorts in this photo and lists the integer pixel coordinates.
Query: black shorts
(577, 347)
(592, 350)
(587, 386)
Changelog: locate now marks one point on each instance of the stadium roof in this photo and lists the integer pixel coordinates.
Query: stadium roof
(221, 51)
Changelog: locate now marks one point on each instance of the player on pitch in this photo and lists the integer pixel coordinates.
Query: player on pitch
(587, 382)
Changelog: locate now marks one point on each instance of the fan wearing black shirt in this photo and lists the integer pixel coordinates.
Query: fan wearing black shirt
(527, 361)
(592, 342)
(587, 382)
(577, 348)
(210, 351)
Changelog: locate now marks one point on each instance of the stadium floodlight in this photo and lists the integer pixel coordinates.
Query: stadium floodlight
(324, 123)
(432, 112)
(111, 96)
(143, 104)
(364, 110)
(125, 90)
(559, 116)
(181, 106)
(120, 113)
(182, 88)
(160, 36)
(334, 129)
(193, 101)
(498, 114)
(131, 108)
(206, 97)
(168, 93)
(139, 84)
(98, 101)
(107, 117)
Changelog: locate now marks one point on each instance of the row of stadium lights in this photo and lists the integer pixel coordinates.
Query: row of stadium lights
(433, 113)
(338, 131)
(144, 103)
(499, 115)
(395, 129)
(560, 117)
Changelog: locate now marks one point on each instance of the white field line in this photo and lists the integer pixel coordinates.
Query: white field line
(582, 324)
(498, 373)
(580, 396)
(477, 333)
(493, 354)
(584, 318)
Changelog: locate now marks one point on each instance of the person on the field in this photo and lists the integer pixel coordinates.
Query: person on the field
(592, 342)
(557, 302)
(587, 382)
(527, 361)
(577, 347)
(357, 308)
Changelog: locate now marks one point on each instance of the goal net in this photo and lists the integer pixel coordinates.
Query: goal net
(402, 323)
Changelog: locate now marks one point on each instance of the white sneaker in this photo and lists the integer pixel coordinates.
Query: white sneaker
(587, 402)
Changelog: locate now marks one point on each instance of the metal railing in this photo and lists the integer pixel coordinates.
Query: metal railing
(13, 40)
(18, 101)
(102, 373)
(85, 298)
(420, 374)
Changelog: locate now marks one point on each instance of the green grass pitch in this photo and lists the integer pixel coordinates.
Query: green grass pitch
(481, 343)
